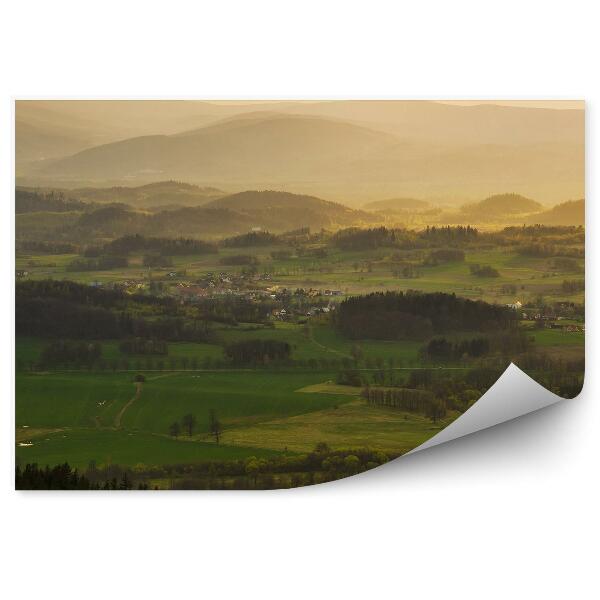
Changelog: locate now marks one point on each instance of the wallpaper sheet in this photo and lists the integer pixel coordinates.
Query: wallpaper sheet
(271, 294)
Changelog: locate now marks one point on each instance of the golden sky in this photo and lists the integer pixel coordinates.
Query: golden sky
(555, 104)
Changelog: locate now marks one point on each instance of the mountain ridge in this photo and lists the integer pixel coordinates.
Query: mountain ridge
(355, 151)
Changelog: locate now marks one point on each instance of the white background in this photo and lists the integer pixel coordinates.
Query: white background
(508, 513)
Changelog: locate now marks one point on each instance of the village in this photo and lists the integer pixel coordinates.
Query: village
(283, 304)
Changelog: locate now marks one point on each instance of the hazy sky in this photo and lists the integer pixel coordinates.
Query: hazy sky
(556, 104)
(553, 104)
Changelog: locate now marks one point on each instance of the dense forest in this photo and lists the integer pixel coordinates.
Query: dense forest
(64, 309)
(415, 315)
(52, 201)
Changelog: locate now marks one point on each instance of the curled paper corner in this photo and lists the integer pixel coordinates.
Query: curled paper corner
(513, 395)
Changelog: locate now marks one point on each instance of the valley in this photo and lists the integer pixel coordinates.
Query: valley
(272, 295)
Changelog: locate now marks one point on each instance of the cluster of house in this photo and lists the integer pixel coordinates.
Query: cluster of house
(128, 286)
(552, 322)
(316, 293)
(284, 314)
(548, 321)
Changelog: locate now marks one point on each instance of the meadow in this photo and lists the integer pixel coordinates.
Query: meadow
(82, 447)
(72, 416)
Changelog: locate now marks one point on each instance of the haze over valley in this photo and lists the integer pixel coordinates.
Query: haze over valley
(347, 151)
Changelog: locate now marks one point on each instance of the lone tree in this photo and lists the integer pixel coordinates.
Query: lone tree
(214, 425)
(175, 429)
(189, 422)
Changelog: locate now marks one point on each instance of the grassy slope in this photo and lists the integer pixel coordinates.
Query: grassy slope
(82, 400)
(351, 425)
(80, 446)
(83, 408)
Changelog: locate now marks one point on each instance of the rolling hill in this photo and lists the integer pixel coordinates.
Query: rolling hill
(352, 151)
(500, 206)
(161, 193)
(261, 146)
(566, 213)
(239, 213)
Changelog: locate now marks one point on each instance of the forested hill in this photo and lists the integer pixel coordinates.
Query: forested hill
(266, 210)
(53, 201)
(567, 213)
(161, 193)
(501, 205)
(299, 210)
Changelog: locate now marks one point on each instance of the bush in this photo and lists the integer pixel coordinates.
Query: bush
(349, 377)
(483, 271)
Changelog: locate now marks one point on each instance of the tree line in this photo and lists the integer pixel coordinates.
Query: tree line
(257, 352)
(102, 263)
(164, 246)
(144, 346)
(440, 348)
(410, 400)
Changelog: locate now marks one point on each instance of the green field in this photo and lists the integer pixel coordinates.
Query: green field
(554, 337)
(84, 407)
(73, 417)
(81, 399)
(352, 424)
(79, 447)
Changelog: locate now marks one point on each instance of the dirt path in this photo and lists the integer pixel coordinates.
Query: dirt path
(138, 393)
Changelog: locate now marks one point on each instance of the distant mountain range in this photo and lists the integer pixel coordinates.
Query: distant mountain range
(350, 151)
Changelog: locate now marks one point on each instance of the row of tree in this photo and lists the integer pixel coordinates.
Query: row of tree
(188, 424)
(440, 348)
(410, 400)
(102, 263)
(257, 352)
